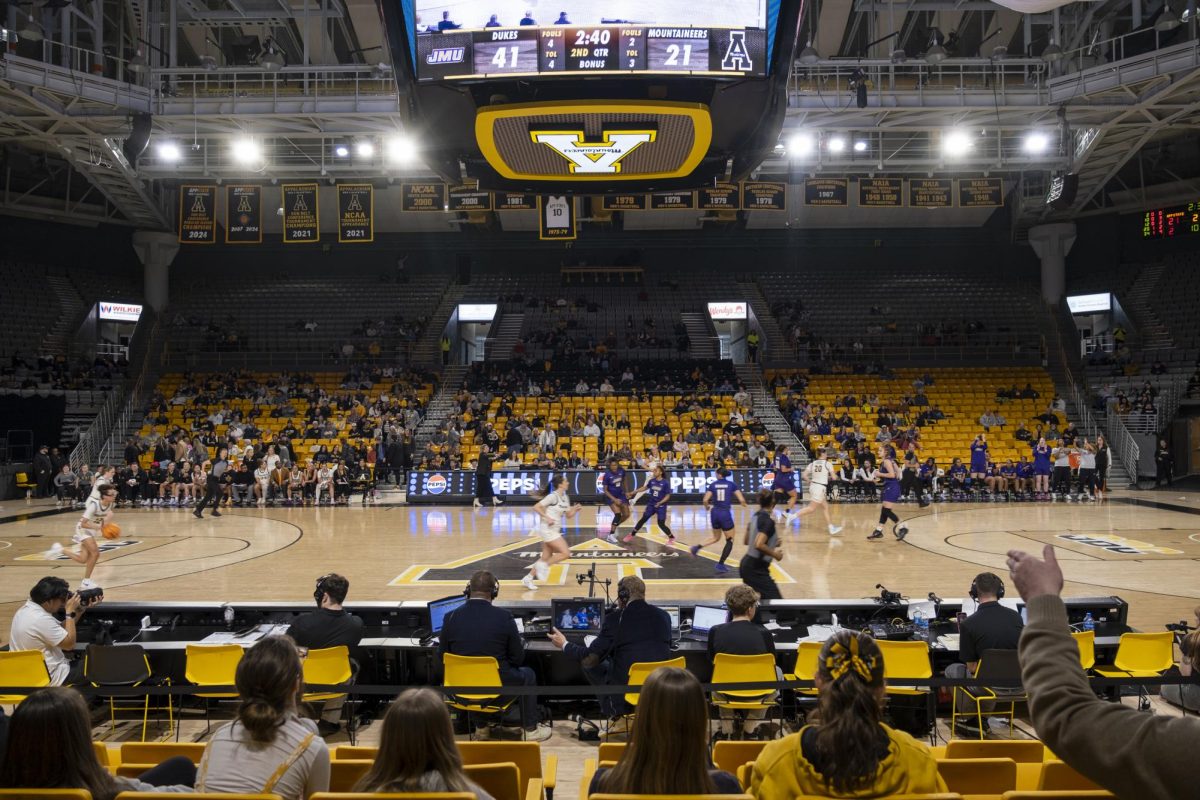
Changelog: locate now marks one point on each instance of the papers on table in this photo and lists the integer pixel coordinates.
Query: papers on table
(820, 633)
(250, 637)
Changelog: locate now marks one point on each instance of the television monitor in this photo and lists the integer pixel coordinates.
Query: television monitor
(577, 615)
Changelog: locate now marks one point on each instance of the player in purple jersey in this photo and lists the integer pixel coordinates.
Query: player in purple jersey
(784, 484)
(718, 501)
(613, 483)
(658, 492)
(889, 473)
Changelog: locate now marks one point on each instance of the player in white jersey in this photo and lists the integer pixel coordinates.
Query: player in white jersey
(97, 512)
(551, 510)
(818, 473)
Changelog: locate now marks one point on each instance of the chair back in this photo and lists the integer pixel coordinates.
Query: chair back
(978, 775)
(1145, 652)
(344, 774)
(806, 663)
(349, 752)
(115, 665)
(998, 667)
(1021, 751)
(905, 659)
(102, 754)
(22, 668)
(729, 755)
(641, 670)
(1086, 641)
(1059, 776)
(611, 751)
(526, 755)
(327, 667)
(471, 671)
(501, 781)
(729, 668)
(212, 664)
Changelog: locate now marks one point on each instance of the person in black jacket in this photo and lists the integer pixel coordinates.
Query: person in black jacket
(43, 471)
(483, 479)
(329, 626)
(479, 628)
(635, 632)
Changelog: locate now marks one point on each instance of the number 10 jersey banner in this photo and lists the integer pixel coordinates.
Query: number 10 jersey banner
(456, 486)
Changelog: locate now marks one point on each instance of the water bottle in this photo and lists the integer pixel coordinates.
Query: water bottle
(1089, 622)
(921, 625)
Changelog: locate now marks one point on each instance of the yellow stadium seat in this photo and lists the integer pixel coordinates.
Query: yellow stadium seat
(22, 668)
(474, 671)
(211, 665)
(978, 776)
(1059, 776)
(1086, 641)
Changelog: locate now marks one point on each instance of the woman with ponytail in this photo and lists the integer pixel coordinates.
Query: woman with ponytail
(268, 748)
(850, 752)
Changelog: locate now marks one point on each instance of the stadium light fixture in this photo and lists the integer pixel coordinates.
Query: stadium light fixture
(1052, 53)
(271, 60)
(168, 152)
(1036, 142)
(936, 54)
(809, 55)
(1168, 20)
(401, 149)
(246, 151)
(365, 148)
(341, 150)
(138, 63)
(860, 145)
(800, 144)
(956, 143)
(31, 30)
(836, 145)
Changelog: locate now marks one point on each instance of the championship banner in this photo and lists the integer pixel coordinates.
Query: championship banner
(980, 192)
(301, 216)
(880, 193)
(673, 201)
(356, 212)
(422, 197)
(722, 196)
(623, 202)
(826, 192)
(931, 193)
(764, 196)
(197, 214)
(556, 217)
(469, 198)
(515, 201)
(243, 214)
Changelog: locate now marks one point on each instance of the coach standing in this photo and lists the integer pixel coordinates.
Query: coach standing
(212, 486)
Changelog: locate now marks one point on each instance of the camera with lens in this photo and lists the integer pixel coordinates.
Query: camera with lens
(1179, 627)
(89, 596)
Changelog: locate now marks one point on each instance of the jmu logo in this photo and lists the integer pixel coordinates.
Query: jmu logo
(594, 158)
(446, 55)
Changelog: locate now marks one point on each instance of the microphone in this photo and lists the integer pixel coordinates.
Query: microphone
(933, 596)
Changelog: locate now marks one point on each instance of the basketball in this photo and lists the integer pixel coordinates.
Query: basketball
(111, 530)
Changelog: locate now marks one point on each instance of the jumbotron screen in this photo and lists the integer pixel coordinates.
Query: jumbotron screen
(465, 39)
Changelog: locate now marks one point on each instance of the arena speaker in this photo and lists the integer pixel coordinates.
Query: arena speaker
(1063, 189)
(139, 138)
(464, 268)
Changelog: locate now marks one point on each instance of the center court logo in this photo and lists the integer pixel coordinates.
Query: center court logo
(435, 483)
(1119, 544)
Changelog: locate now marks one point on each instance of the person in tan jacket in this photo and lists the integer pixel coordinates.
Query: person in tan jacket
(1130, 753)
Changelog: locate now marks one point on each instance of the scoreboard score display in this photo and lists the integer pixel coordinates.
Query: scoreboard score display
(728, 40)
(1173, 222)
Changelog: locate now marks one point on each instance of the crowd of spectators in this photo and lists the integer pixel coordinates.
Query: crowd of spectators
(366, 340)
(57, 373)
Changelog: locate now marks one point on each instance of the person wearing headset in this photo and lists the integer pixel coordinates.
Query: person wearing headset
(991, 627)
(635, 631)
(329, 626)
(479, 628)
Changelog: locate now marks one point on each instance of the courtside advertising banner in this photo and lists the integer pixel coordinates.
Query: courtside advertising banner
(455, 486)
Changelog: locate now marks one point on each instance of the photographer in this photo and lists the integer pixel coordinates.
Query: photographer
(35, 627)
(1186, 695)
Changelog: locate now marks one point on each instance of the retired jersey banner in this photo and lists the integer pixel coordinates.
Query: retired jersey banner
(980, 192)
(880, 193)
(673, 201)
(722, 196)
(764, 196)
(515, 201)
(556, 217)
(931, 193)
(825, 192)
(469, 198)
(623, 202)
(356, 212)
(301, 217)
(243, 215)
(422, 197)
(197, 214)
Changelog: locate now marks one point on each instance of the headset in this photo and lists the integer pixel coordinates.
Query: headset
(495, 586)
(975, 592)
(319, 592)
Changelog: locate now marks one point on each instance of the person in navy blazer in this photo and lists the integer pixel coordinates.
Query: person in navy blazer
(636, 631)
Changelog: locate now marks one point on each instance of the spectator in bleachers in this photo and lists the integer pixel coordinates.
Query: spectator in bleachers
(851, 753)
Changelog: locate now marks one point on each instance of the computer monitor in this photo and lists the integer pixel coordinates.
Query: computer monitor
(705, 618)
(577, 615)
(673, 613)
(440, 609)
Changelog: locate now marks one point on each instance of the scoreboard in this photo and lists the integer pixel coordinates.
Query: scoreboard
(605, 49)
(1170, 223)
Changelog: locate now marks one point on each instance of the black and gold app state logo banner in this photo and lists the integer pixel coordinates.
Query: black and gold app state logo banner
(301, 216)
(931, 193)
(243, 214)
(556, 217)
(980, 192)
(623, 202)
(423, 197)
(515, 201)
(825, 192)
(356, 212)
(197, 214)
(672, 201)
(880, 193)
(469, 198)
(764, 196)
(721, 197)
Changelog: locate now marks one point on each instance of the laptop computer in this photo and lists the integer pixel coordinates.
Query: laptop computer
(704, 619)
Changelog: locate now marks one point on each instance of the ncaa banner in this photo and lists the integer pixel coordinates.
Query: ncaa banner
(356, 212)
(556, 217)
(197, 214)
(301, 217)
(764, 196)
(422, 197)
(243, 215)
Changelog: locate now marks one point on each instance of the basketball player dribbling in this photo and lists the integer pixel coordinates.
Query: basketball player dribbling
(97, 512)
(551, 510)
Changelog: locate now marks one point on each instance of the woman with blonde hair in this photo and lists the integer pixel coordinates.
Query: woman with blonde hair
(417, 752)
